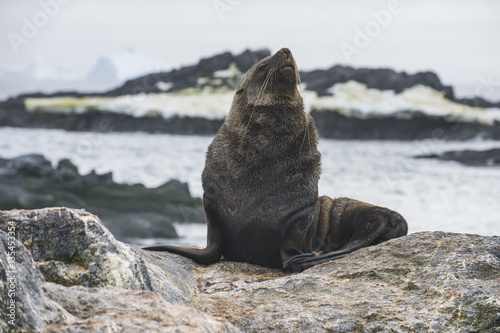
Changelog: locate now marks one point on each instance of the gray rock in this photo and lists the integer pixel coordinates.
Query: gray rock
(490, 157)
(119, 310)
(73, 249)
(24, 308)
(424, 282)
(31, 165)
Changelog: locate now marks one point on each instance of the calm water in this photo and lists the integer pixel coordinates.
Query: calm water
(432, 195)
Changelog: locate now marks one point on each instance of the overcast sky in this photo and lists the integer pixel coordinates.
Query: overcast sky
(459, 39)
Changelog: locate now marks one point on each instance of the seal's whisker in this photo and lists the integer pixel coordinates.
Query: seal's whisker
(302, 93)
(301, 88)
(264, 85)
(306, 136)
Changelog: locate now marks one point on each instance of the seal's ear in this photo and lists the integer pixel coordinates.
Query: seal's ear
(239, 91)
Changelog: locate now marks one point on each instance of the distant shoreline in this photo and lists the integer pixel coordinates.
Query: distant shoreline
(330, 124)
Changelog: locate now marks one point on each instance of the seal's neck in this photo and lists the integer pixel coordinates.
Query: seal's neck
(279, 117)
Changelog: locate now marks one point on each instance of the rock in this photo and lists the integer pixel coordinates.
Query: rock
(322, 80)
(103, 122)
(478, 102)
(118, 310)
(332, 124)
(129, 211)
(21, 294)
(188, 76)
(30, 165)
(72, 247)
(490, 157)
(75, 251)
(423, 282)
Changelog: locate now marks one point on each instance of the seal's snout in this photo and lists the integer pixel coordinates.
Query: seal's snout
(287, 52)
(284, 60)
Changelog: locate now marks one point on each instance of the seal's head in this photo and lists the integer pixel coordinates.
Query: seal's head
(271, 81)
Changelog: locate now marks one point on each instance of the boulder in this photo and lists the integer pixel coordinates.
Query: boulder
(423, 282)
(71, 274)
(24, 307)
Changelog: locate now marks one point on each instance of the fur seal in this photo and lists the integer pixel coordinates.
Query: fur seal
(260, 183)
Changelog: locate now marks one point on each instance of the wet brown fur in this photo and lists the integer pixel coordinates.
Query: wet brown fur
(261, 183)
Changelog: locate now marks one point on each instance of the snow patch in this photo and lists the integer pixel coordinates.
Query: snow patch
(204, 103)
(356, 99)
(164, 86)
(231, 72)
(350, 98)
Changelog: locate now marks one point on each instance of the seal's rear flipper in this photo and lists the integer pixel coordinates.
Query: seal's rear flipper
(307, 260)
(301, 261)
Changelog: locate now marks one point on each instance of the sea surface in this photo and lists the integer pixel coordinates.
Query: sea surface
(432, 195)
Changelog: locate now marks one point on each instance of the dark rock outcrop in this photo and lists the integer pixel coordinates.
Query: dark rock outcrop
(187, 77)
(30, 182)
(182, 78)
(330, 124)
(477, 102)
(414, 126)
(383, 79)
(423, 282)
(104, 122)
(490, 157)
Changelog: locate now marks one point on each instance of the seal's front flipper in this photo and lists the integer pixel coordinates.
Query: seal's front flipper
(204, 256)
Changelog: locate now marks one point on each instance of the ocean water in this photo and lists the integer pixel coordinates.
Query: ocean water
(432, 195)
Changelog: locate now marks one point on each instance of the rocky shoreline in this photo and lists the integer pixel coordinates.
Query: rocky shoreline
(220, 73)
(96, 121)
(330, 124)
(128, 211)
(70, 274)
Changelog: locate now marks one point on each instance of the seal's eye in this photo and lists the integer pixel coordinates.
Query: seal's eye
(262, 68)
